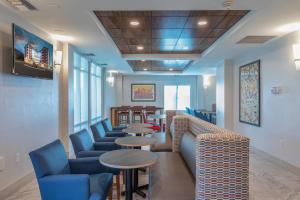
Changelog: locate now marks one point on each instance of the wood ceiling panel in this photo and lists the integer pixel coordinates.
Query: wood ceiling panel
(159, 65)
(168, 22)
(167, 31)
(212, 21)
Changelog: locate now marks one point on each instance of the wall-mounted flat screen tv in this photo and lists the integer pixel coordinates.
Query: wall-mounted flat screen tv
(33, 56)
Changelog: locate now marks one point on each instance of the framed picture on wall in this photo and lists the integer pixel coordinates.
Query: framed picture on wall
(143, 92)
(249, 102)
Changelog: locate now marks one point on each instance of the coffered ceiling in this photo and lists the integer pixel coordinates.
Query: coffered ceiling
(167, 32)
(159, 65)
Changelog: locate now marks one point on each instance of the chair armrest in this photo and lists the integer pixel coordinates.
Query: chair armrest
(106, 139)
(62, 187)
(84, 154)
(222, 158)
(116, 134)
(106, 146)
(90, 165)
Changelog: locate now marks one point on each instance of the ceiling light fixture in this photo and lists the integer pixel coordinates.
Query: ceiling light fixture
(202, 23)
(185, 48)
(134, 23)
(143, 60)
(145, 69)
(289, 28)
(171, 69)
(140, 48)
(63, 38)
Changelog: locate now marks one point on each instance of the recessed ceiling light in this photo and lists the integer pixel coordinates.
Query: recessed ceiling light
(289, 28)
(145, 69)
(185, 48)
(134, 23)
(143, 60)
(202, 23)
(63, 38)
(171, 69)
(140, 48)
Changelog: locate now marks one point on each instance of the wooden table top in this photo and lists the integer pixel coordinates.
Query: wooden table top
(128, 159)
(135, 141)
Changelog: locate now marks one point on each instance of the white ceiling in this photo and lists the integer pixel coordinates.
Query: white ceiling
(75, 18)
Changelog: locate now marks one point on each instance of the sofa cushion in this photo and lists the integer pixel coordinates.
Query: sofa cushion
(188, 151)
(170, 178)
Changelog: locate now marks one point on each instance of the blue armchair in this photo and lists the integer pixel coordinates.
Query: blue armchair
(62, 179)
(108, 126)
(84, 146)
(100, 135)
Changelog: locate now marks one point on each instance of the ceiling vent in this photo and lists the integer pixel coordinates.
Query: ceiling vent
(255, 39)
(228, 4)
(22, 5)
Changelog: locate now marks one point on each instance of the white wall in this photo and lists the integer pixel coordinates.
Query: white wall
(279, 133)
(28, 107)
(160, 81)
(224, 96)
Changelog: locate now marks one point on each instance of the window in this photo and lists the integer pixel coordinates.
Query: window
(95, 92)
(81, 66)
(177, 97)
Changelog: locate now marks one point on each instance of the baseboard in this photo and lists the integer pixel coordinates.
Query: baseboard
(12, 188)
(295, 170)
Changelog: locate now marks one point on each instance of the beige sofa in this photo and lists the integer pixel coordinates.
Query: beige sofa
(207, 162)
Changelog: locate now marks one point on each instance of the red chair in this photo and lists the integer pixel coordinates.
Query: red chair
(154, 126)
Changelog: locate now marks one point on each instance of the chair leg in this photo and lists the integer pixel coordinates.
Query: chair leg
(118, 187)
(110, 194)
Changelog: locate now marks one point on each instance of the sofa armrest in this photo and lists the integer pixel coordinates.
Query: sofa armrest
(61, 187)
(181, 126)
(169, 118)
(222, 161)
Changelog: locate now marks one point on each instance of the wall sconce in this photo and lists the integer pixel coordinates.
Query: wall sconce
(58, 58)
(296, 48)
(111, 79)
(206, 81)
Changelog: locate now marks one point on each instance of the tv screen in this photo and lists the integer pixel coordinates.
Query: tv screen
(33, 56)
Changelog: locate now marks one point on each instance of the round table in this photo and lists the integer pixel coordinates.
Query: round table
(135, 141)
(139, 125)
(138, 130)
(128, 159)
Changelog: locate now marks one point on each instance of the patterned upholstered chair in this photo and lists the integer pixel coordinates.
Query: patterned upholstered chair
(60, 178)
